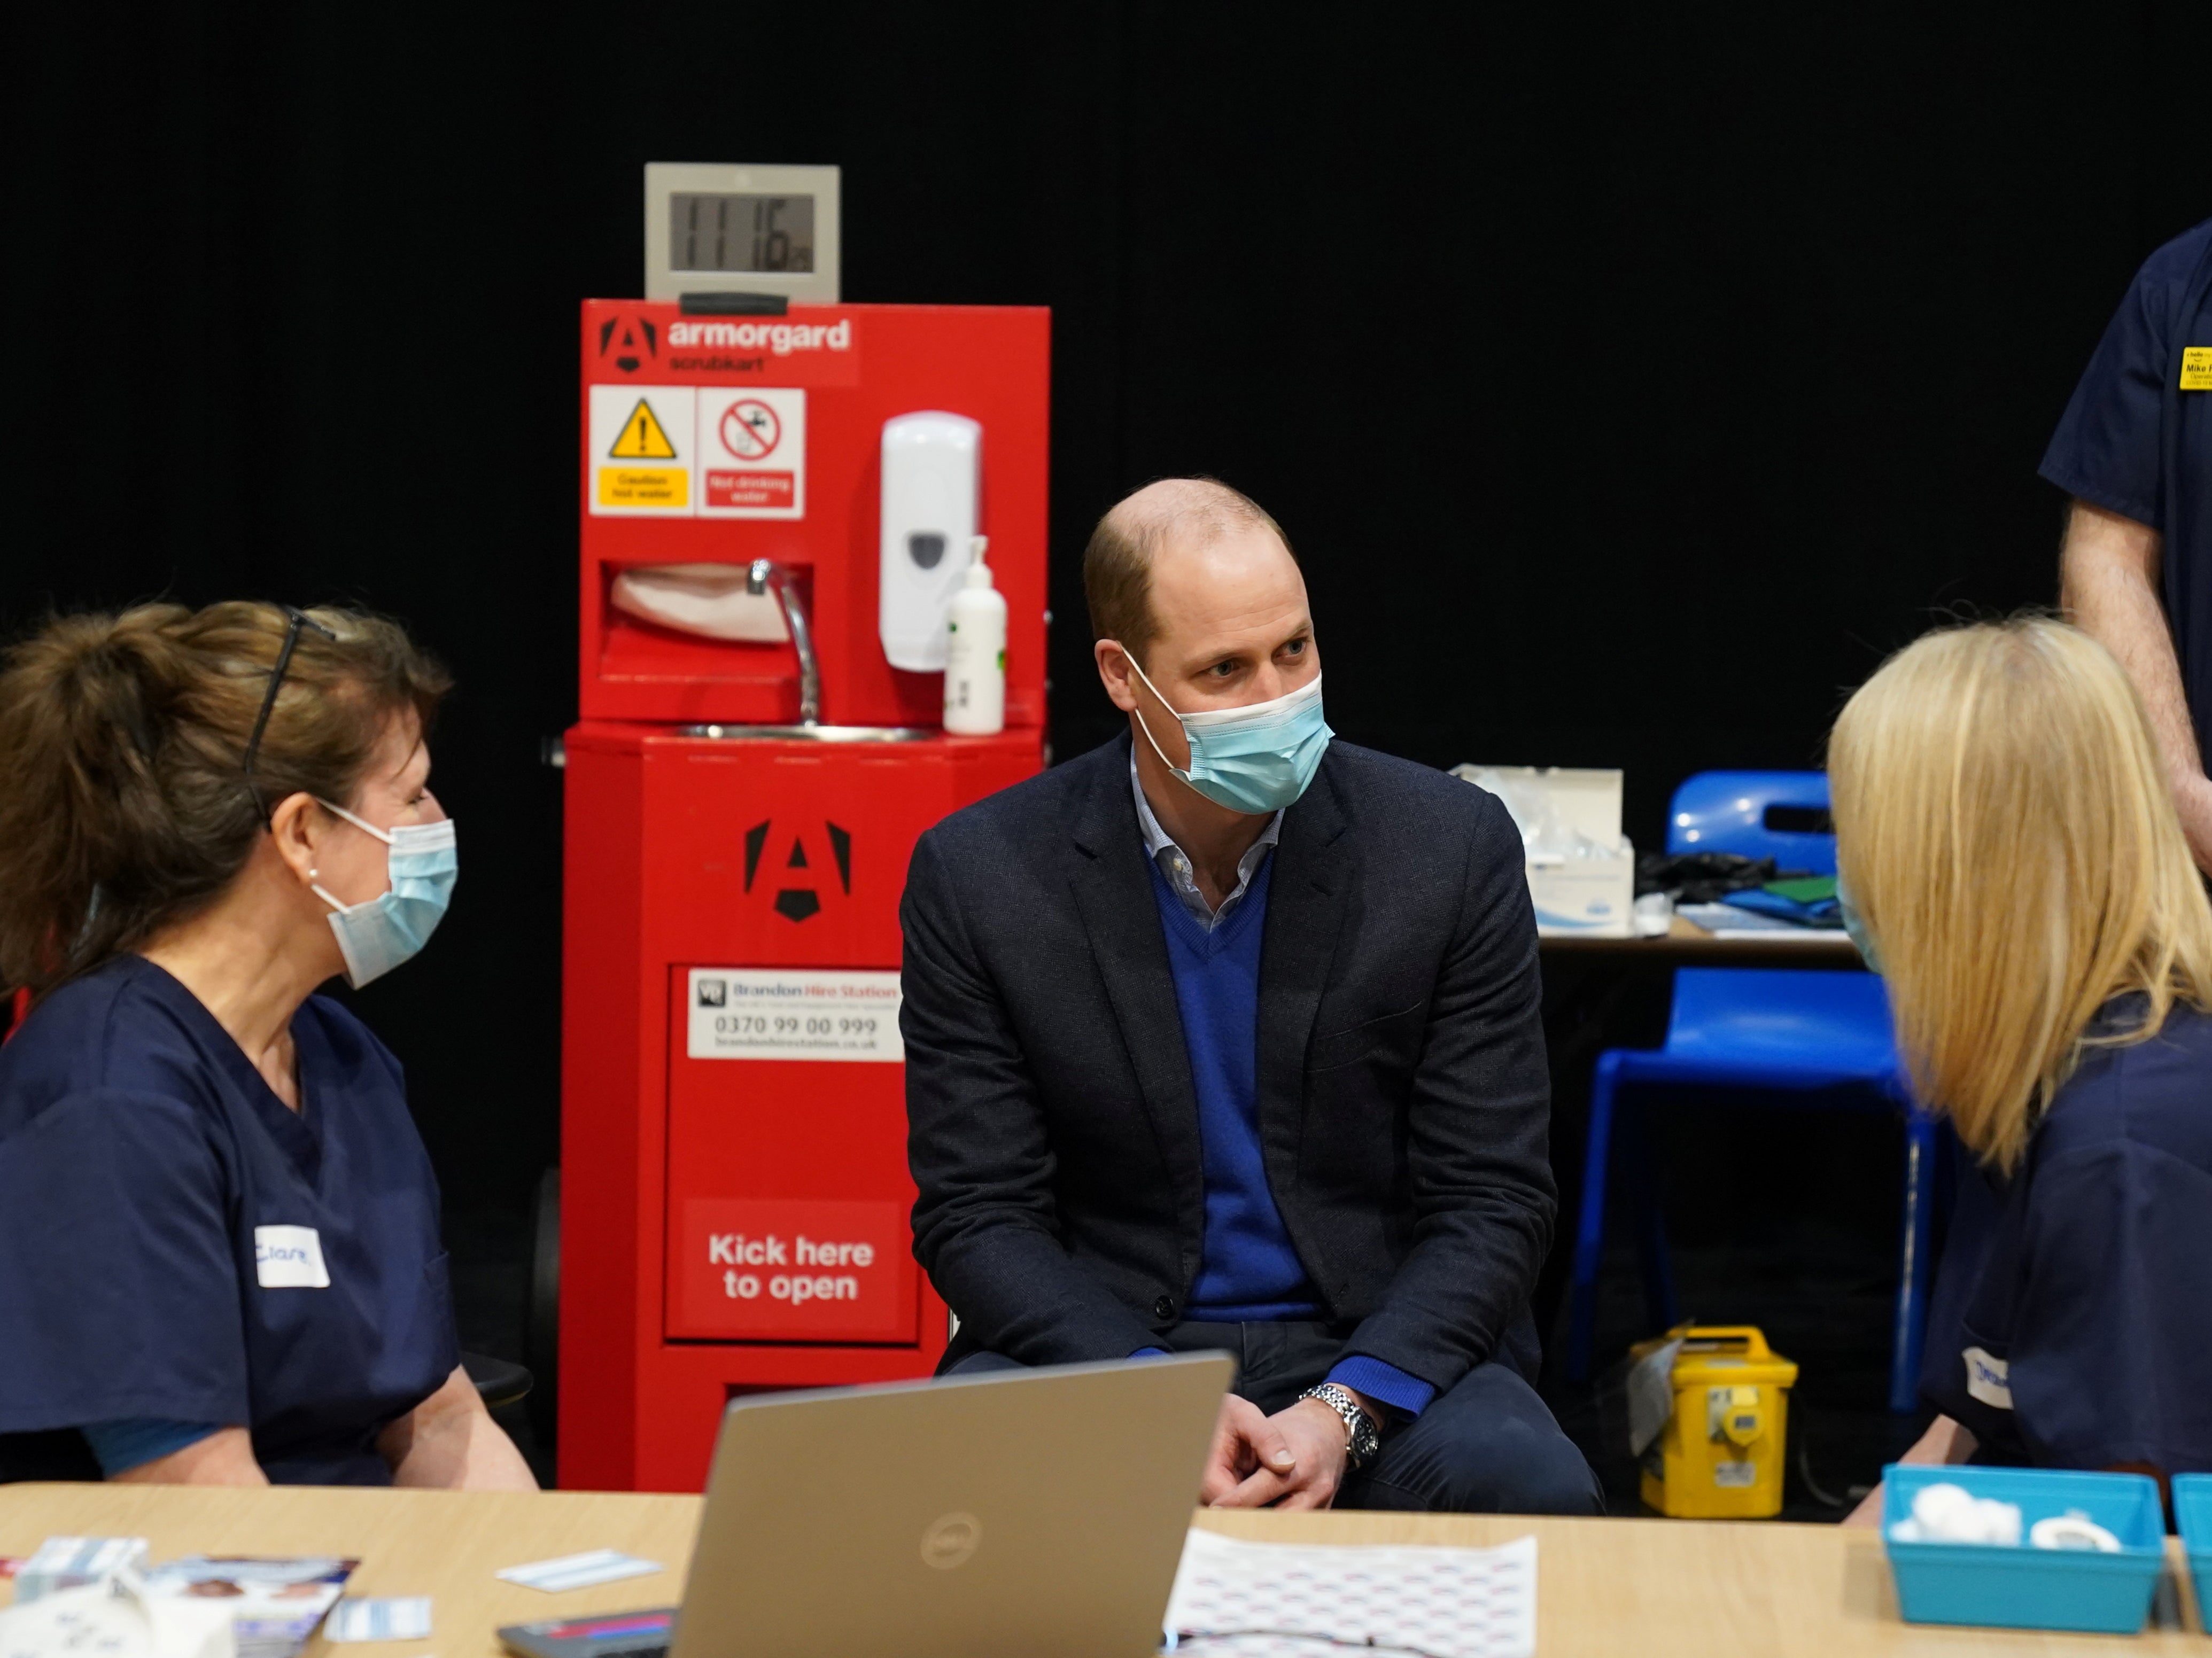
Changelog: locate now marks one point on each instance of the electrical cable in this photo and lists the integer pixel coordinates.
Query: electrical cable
(1805, 1470)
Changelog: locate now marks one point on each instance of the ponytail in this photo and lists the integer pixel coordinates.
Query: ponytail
(123, 802)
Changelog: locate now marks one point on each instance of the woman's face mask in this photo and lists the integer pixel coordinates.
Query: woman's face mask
(1254, 760)
(1855, 925)
(376, 937)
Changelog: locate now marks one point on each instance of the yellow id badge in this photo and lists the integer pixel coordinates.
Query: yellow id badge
(2197, 367)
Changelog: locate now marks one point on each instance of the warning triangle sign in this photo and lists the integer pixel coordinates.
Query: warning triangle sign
(641, 438)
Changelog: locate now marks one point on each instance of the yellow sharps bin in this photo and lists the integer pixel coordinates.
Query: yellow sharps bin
(1721, 1454)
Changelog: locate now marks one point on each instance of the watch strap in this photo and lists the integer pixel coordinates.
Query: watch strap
(1363, 1435)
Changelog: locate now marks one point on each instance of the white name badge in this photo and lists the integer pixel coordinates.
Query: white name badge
(289, 1258)
(1989, 1380)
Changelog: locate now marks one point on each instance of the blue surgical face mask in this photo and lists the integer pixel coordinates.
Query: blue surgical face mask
(1855, 925)
(377, 936)
(1257, 759)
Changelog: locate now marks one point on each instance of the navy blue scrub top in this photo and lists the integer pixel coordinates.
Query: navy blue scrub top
(2133, 442)
(2071, 1321)
(140, 1154)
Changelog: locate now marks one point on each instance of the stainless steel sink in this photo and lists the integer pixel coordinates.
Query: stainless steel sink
(808, 733)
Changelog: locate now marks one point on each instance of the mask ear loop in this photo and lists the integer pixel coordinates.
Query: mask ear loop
(365, 828)
(314, 885)
(1179, 774)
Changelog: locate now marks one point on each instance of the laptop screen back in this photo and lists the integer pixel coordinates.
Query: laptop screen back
(1021, 1512)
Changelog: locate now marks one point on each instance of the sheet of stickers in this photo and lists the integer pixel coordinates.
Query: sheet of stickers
(1291, 1601)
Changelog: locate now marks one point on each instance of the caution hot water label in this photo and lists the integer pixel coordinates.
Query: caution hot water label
(793, 1270)
(703, 451)
(641, 450)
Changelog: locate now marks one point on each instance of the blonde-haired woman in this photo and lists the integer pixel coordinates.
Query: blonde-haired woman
(2011, 857)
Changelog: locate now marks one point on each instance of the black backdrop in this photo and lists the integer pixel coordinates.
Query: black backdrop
(1630, 378)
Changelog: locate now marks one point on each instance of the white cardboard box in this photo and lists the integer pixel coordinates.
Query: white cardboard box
(1581, 868)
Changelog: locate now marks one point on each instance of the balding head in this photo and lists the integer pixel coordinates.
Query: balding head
(1175, 516)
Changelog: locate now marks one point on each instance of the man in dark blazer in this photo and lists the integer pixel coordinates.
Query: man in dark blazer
(1226, 1035)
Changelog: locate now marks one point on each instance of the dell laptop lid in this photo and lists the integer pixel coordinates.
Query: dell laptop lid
(1038, 1513)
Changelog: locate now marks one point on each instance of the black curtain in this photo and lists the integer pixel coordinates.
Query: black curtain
(1629, 379)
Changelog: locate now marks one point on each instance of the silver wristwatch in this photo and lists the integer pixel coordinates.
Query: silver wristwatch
(1362, 1436)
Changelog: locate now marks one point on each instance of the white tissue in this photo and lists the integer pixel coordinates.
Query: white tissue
(115, 1617)
(1944, 1513)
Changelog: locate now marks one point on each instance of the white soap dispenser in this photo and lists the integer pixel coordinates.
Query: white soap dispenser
(975, 651)
(932, 492)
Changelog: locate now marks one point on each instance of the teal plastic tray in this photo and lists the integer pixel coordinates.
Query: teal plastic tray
(2192, 1517)
(2024, 1587)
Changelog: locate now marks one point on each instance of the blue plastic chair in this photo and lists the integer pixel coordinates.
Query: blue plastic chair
(1755, 814)
(1822, 1037)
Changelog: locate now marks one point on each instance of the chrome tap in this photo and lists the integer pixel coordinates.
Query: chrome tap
(766, 573)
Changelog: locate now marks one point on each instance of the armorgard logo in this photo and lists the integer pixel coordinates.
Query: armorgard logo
(778, 339)
(632, 340)
(795, 903)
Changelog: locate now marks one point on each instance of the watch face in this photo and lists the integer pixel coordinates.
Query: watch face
(1366, 1442)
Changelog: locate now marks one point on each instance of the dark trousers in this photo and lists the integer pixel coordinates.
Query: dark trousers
(1485, 1445)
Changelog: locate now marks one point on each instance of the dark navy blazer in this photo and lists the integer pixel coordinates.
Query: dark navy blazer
(1403, 1098)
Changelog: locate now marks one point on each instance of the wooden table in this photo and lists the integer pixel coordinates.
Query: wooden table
(1643, 1588)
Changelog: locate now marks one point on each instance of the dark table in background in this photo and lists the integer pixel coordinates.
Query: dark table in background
(1687, 944)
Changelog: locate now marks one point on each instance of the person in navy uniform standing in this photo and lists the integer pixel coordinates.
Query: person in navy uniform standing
(219, 1230)
(1226, 1036)
(2135, 451)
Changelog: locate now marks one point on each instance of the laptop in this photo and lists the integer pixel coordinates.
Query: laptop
(1020, 1512)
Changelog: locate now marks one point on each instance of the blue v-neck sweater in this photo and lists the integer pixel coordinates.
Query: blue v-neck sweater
(1248, 1269)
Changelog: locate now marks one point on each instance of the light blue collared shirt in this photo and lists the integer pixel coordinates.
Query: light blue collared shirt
(1175, 863)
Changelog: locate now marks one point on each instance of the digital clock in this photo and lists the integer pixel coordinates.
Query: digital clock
(740, 228)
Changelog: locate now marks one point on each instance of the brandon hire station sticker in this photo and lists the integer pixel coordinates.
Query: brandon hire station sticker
(793, 1013)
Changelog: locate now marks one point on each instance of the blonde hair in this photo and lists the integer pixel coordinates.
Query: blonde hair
(2002, 824)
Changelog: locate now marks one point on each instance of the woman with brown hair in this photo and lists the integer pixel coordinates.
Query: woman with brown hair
(219, 1244)
(2012, 862)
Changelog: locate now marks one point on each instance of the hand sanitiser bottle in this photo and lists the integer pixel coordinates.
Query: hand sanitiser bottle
(975, 651)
